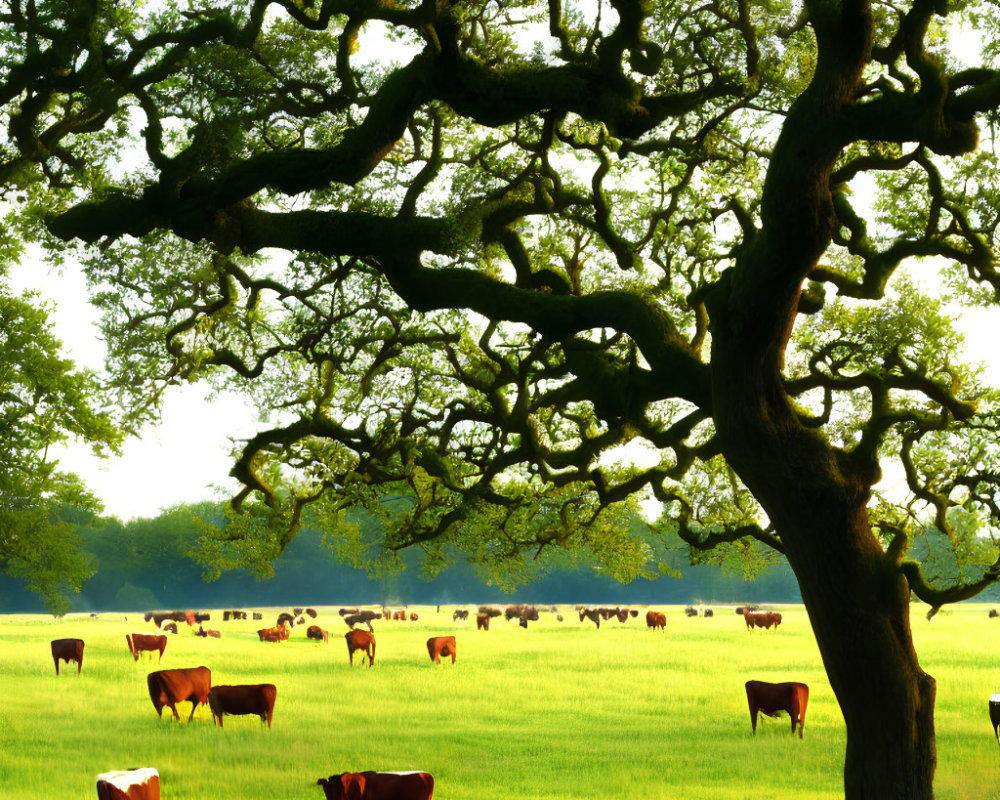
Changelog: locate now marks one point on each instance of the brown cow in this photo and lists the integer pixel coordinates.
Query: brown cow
(770, 698)
(460, 614)
(358, 639)
(132, 784)
(167, 687)
(378, 786)
(249, 699)
(68, 650)
(317, 633)
(438, 646)
(278, 634)
(995, 714)
(210, 632)
(656, 619)
(150, 642)
(593, 614)
(482, 622)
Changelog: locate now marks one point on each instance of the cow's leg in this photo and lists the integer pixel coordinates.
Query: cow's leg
(79, 664)
(753, 718)
(56, 659)
(194, 705)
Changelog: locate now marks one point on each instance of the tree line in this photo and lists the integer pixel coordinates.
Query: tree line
(150, 563)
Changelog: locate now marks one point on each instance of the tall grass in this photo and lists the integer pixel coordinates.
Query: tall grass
(560, 710)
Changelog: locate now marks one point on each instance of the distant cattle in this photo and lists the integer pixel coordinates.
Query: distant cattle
(257, 615)
(170, 627)
(317, 633)
(245, 699)
(770, 698)
(233, 614)
(285, 618)
(490, 611)
(378, 786)
(761, 619)
(460, 614)
(211, 632)
(358, 639)
(146, 642)
(362, 618)
(168, 687)
(132, 784)
(346, 612)
(523, 612)
(709, 613)
(68, 650)
(993, 613)
(278, 634)
(482, 622)
(438, 646)
(311, 612)
(414, 616)
(399, 615)
(656, 619)
(691, 611)
(995, 714)
(593, 614)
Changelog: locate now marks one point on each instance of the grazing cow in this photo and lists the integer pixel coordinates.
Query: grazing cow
(378, 786)
(362, 618)
(413, 616)
(170, 627)
(358, 639)
(593, 614)
(438, 646)
(317, 633)
(149, 642)
(250, 699)
(285, 618)
(482, 622)
(656, 619)
(993, 613)
(278, 634)
(311, 612)
(68, 650)
(995, 714)
(132, 784)
(210, 632)
(524, 612)
(167, 687)
(770, 698)
(460, 613)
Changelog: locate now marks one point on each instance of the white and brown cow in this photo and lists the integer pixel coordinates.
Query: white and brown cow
(132, 784)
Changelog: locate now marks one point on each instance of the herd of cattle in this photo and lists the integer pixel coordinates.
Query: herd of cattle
(168, 687)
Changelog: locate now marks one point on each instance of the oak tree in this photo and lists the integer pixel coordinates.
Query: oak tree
(524, 264)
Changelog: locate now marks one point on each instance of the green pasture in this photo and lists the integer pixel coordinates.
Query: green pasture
(557, 711)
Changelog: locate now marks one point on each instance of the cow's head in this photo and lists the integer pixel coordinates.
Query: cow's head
(346, 786)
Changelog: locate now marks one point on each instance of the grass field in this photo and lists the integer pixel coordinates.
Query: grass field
(554, 712)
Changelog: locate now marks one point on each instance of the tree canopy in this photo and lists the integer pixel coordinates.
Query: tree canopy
(524, 264)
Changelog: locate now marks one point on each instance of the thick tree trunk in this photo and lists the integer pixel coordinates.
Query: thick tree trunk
(857, 599)
(860, 616)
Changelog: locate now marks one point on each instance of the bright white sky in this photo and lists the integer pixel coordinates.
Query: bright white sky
(182, 459)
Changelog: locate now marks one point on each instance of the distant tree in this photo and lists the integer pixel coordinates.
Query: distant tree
(44, 401)
(548, 259)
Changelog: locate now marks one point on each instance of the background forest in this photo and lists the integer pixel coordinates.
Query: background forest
(149, 563)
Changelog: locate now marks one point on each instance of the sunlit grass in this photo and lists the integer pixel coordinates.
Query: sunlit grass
(558, 711)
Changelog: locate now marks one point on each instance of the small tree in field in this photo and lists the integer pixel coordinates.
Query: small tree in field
(549, 259)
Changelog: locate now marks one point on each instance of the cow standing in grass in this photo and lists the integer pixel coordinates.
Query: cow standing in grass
(247, 699)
